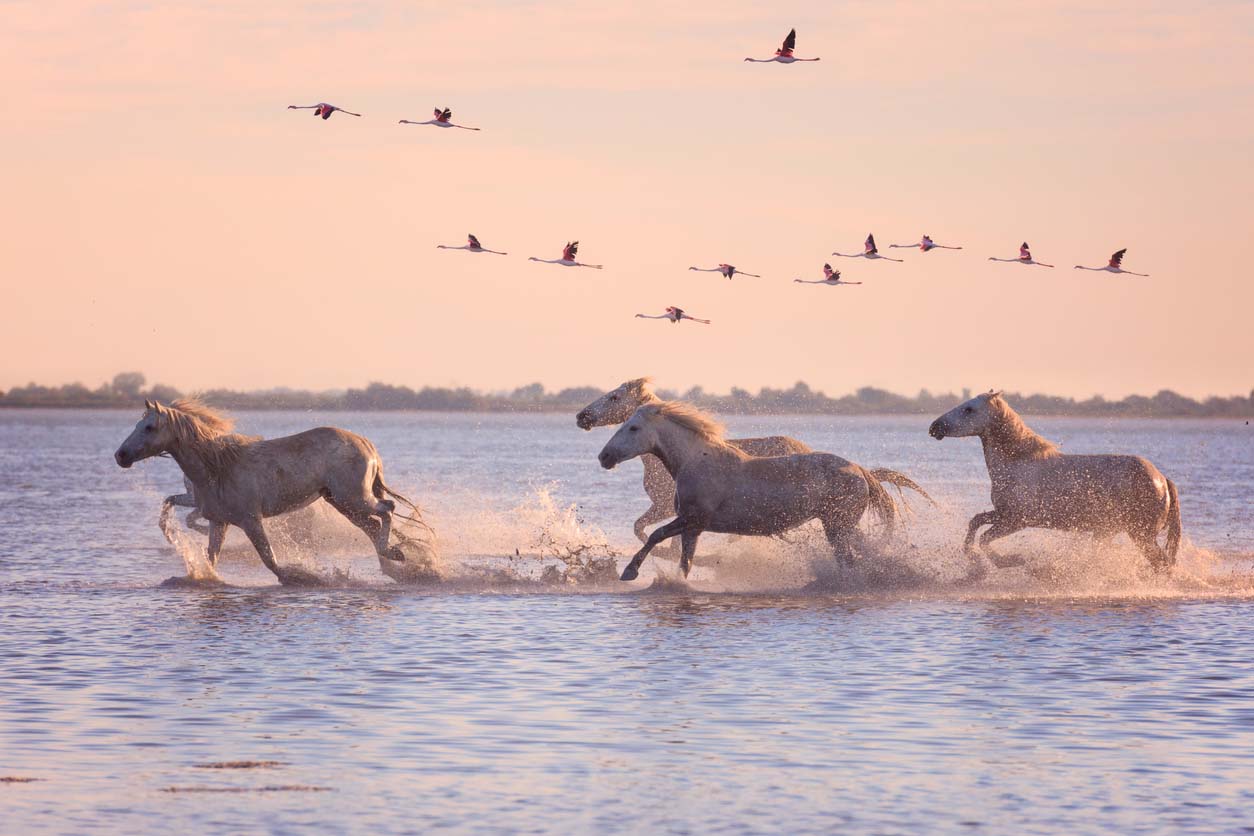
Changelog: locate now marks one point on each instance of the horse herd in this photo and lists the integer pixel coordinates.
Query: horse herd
(696, 478)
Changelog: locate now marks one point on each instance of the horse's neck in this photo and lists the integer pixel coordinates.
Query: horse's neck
(1004, 446)
(195, 465)
(677, 447)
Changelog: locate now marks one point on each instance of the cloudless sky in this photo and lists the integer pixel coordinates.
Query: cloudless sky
(163, 212)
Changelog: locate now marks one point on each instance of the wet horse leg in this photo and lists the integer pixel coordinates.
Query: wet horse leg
(839, 537)
(688, 541)
(256, 533)
(1147, 542)
(675, 526)
(217, 534)
(378, 530)
(1000, 528)
(660, 488)
(977, 522)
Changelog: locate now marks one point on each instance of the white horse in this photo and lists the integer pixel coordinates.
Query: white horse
(617, 405)
(1035, 485)
(721, 488)
(238, 480)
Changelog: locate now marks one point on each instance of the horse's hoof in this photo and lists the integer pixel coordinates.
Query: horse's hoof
(396, 554)
(629, 574)
(300, 577)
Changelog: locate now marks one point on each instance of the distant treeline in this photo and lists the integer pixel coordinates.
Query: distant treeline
(129, 389)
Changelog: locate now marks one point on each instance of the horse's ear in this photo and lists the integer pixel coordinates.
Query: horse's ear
(148, 404)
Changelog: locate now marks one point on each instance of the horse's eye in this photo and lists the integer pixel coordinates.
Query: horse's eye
(634, 429)
(968, 410)
(613, 397)
(149, 428)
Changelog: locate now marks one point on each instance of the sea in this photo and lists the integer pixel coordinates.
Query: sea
(523, 689)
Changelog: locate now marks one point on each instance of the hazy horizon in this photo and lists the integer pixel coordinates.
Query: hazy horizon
(167, 213)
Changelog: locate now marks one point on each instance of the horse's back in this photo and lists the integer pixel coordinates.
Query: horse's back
(320, 440)
(1100, 492)
(771, 445)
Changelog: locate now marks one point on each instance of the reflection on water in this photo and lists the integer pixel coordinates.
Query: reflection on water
(1077, 695)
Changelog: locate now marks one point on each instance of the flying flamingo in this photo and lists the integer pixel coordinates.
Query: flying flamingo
(869, 252)
(926, 244)
(726, 269)
(441, 120)
(472, 244)
(1113, 266)
(1025, 257)
(784, 55)
(830, 277)
(568, 257)
(322, 109)
(674, 314)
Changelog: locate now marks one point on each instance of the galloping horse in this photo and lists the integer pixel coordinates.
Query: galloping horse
(617, 405)
(1035, 485)
(721, 488)
(239, 480)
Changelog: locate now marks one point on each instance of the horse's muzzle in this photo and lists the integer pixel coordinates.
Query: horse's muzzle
(607, 460)
(582, 421)
(123, 458)
(937, 430)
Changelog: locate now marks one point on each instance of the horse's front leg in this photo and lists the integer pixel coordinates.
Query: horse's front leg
(192, 521)
(256, 534)
(217, 534)
(977, 522)
(288, 577)
(655, 514)
(688, 539)
(1001, 528)
(667, 531)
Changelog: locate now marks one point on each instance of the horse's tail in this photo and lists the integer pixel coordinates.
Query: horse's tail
(1174, 526)
(881, 502)
(892, 477)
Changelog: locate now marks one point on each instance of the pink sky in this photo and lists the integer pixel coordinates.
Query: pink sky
(163, 212)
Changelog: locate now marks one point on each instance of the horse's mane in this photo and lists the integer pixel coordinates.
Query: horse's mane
(691, 418)
(1017, 438)
(641, 385)
(205, 433)
(214, 421)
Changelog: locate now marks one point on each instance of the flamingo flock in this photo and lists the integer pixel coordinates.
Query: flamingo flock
(785, 54)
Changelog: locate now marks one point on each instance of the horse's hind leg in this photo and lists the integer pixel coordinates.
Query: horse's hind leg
(1158, 559)
(840, 536)
(363, 514)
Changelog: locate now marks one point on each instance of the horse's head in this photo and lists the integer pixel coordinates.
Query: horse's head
(635, 437)
(151, 436)
(970, 418)
(616, 406)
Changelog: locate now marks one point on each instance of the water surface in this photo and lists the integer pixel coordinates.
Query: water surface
(1079, 694)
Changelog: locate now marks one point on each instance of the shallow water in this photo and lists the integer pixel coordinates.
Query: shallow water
(1077, 694)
